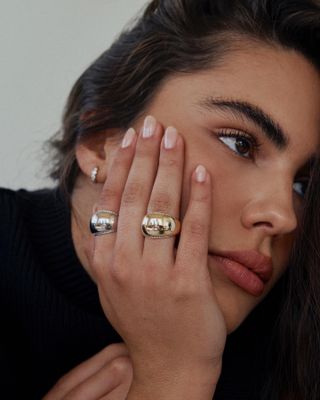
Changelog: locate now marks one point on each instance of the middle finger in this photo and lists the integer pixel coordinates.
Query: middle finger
(166, 194)
(138, 187)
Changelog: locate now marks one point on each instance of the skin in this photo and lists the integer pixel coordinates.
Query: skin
(255, 206)
(105, 376)
(245, 203)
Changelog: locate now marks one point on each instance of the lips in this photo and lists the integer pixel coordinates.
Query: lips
(249, 269)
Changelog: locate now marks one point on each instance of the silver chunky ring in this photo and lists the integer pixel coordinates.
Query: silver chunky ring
(103, 222)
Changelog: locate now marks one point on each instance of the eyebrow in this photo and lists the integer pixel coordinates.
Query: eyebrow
(255, 114)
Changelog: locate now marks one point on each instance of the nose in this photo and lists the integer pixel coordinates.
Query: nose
(271, 210)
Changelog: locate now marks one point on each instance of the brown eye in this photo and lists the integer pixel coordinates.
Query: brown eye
(239, 143)
(242, 146)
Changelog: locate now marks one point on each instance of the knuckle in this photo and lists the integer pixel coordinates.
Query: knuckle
(196, 228)
(169, 162)
(111, 268)
(118, 271)
(161, 202)
(109, 193)
(121, 366)
(132, 193)
(119, 275)
(185, 290)
(202, 196)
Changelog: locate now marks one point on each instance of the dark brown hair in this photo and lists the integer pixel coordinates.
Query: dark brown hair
(184, 36)
(172, 36)
(296, 355)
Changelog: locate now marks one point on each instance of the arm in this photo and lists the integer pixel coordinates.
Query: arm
(191, 384)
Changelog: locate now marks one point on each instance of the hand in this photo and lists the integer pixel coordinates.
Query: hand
(161, 303)
(105, 376)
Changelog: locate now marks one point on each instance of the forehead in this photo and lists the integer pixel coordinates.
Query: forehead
(282, 83)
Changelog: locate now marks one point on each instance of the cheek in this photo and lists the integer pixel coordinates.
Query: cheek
(282, 249)
(228, 181)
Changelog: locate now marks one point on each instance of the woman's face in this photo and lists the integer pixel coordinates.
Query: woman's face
(271, 98)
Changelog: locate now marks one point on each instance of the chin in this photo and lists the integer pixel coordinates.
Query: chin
(235, 304)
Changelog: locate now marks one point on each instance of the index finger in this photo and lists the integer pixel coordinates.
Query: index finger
(85, 370)
(194, 239)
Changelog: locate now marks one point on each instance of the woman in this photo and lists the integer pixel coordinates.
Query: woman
(220, 104)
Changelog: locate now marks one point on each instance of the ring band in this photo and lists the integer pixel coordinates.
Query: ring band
(159, 226)
(103, 222)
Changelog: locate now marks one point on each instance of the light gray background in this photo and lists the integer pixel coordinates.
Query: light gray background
(45, 45)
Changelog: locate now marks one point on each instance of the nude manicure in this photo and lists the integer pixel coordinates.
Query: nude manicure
(170, 138)
(149, 126)
(201, 173)
(128, 138)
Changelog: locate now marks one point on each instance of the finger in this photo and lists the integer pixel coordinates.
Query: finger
(86, 369)
(120, 392)
(104, 381)
(138, 188)
(194, 239)
(166, 193)
(112, 190)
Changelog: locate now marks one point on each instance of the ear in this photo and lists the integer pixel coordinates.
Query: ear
(97, 151)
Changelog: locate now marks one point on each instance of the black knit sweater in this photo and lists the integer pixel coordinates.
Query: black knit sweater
(51, 318)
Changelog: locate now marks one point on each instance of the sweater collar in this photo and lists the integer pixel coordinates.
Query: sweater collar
(48, 218)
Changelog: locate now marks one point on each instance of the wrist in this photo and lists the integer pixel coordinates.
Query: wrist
(174, 384)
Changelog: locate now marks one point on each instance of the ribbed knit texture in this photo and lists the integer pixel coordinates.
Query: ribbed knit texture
(51, 319)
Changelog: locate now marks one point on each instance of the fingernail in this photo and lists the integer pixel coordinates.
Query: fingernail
(128, 138)
(201, 173)
(149, 126)
(170, 137)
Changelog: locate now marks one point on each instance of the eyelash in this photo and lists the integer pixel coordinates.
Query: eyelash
(254, 144)
(254, 148)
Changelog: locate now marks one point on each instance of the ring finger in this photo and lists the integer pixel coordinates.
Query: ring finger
(113, 187)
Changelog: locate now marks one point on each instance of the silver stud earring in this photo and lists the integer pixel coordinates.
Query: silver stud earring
(94, 174)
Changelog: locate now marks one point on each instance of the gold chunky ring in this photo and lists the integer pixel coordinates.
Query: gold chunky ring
(159, 226)
(103, 222)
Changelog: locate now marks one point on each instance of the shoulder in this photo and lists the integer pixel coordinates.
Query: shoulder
(24, 218)
(7, 197)
(8, 207)
(12, 203)
(19, 210)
